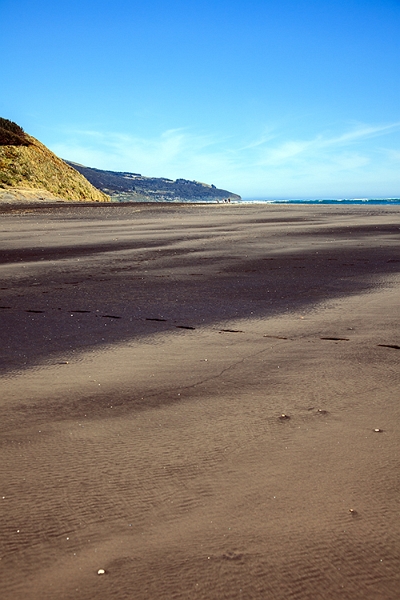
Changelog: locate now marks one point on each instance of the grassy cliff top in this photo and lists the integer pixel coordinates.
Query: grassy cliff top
(25, 163)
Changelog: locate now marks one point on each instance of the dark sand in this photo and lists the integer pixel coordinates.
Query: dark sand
(147, 355)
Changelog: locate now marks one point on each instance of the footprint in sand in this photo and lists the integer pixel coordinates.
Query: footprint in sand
(232, 556)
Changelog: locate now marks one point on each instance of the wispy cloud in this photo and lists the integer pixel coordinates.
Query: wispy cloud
(174, 149)
(265, 137)
(363, 131)
(273, 164)
(321, 146)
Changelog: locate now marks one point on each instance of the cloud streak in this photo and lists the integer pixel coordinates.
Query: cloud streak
(321, 144)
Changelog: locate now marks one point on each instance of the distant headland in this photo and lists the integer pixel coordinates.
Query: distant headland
(134, 187)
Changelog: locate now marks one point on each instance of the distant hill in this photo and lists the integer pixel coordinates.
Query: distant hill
(131, 187)
(27, 166)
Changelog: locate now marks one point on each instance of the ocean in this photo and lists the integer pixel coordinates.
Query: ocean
(385, 201)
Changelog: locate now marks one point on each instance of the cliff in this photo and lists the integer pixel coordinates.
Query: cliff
(27, 165)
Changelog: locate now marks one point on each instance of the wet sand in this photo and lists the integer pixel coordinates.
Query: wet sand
(189, 397)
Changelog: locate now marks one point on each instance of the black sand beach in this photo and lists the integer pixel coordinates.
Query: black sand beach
(200, 400)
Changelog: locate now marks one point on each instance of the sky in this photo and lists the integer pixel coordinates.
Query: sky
(265, 98)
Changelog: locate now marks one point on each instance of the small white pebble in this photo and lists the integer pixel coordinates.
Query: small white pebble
(284, 417)
(101, 572)
(377, 430)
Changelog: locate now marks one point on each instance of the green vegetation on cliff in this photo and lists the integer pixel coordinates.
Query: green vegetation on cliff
(12, 134)
(25, 163)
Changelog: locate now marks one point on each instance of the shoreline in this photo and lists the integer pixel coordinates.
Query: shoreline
(14, 198)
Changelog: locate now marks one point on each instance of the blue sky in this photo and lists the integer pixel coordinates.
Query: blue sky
(264, 98)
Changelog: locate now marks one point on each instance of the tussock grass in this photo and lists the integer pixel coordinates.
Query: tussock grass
(27, 163)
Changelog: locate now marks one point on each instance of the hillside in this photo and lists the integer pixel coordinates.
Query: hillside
(131, 187)
(26, 166)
